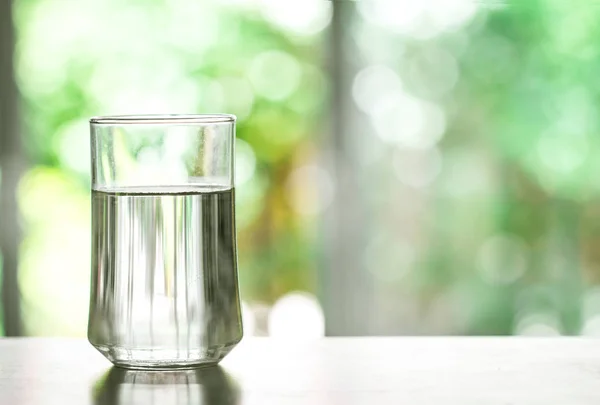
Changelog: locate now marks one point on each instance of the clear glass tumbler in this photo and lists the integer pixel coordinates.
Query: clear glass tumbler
(164, 287)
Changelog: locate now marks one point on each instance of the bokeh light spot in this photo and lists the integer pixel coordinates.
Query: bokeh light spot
(591, 327)
(538, 324)
(305, 17)
(408, 121)
(562, 154)
(72, 145)
(422, 20)
(275, 75)
(373, 84)
(297, 316)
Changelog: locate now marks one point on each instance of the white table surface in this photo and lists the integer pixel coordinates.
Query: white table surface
(415, 371)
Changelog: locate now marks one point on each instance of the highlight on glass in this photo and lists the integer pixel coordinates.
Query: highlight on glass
(164, 287)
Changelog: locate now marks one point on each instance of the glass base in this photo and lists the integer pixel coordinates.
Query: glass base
(161, 359)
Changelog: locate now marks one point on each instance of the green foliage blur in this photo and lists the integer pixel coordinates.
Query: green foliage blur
(499, 167)
(78, 59)
(481, 170)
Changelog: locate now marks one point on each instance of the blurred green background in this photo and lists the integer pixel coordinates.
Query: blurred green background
(455, 141)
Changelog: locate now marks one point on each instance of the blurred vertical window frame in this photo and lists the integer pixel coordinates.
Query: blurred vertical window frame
(12, 163)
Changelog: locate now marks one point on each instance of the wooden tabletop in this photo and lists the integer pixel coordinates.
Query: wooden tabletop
(415, 371)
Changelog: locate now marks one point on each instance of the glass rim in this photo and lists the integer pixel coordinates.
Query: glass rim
(163, 119)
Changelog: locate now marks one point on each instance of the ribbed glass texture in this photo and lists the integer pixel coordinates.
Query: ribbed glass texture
(164, 290)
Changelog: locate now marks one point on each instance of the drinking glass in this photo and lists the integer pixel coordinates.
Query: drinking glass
(164, 286)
